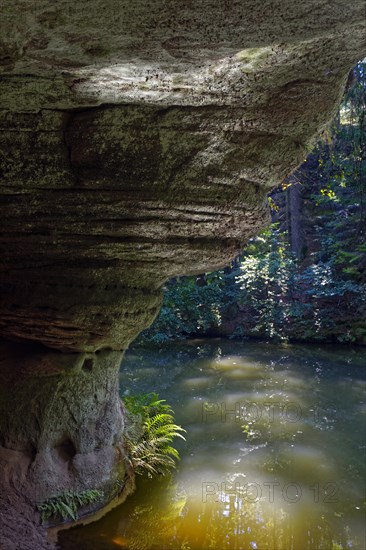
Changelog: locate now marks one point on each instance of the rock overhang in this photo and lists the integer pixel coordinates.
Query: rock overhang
(139, 141)
(188, 53)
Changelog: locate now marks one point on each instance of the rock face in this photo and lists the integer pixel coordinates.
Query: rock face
(138, 141)
(172, 53)
(61, 426)
(74, 410)
(127, 197)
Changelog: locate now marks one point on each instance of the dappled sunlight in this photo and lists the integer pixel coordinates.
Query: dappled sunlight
(273, 457)
(232, 361)
(198, 382)
(303, 463)
(290, 381)
(243, 373)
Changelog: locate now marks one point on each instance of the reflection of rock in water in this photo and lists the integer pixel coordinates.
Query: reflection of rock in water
(61, 427)
(140, 140)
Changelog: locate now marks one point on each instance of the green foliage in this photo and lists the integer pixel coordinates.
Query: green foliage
(267, 282)
(66, 505)
(192, 306)
(149, 434)
(285, 301)
(317, 294)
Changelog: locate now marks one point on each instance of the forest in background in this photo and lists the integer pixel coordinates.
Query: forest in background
(304, 277)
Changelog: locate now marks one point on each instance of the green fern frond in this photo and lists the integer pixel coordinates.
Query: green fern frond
(150, 431)
(66, 504)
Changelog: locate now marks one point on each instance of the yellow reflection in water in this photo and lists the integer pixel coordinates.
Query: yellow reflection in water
(273, 460)
(121, 541)
(235, 519)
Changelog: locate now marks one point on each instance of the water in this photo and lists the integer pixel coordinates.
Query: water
(274, 457)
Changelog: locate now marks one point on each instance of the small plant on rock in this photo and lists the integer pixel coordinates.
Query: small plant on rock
(149, 434)
(66, 505)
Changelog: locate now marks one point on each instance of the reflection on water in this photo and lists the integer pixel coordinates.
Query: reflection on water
(274, 457)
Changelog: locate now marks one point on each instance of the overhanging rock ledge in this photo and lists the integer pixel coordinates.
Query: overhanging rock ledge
(138, 142)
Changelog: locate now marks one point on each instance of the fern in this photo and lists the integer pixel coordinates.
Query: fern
(66, 505)
(150, 432)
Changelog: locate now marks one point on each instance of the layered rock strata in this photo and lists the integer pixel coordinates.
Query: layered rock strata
(138, 142)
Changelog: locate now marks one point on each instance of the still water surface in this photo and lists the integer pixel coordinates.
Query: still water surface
(274, 457)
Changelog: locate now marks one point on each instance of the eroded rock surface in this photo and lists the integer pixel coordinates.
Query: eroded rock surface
(61, 426)
(178, 52)
(138, 142)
